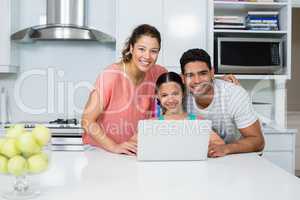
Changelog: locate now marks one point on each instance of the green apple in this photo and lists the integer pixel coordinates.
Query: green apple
(17, 165)
(44, 156)
(15, 131)
(9, 148)
(3, 165)
(41, 134)
(2, 140)
(37, 163)
(27, 144)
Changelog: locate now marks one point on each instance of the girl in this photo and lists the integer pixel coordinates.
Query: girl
(170, 94)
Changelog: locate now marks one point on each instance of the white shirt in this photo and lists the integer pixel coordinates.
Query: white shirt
(230, 110)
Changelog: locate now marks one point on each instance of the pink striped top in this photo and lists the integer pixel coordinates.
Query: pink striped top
(124, 103)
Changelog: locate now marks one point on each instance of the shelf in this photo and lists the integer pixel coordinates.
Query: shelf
(241, 5)
(257, 77)
(9, 69)
(296, 5)
(248, 31)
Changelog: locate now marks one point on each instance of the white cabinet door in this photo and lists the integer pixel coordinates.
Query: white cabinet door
(182, 24)
(7, 52)
(282, 159)
(280, 149)
(185, 27)
(131, 13)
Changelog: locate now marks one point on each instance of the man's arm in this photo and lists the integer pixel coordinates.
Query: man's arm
(252, 140)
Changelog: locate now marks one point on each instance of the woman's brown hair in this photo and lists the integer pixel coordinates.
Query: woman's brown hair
(137, 33)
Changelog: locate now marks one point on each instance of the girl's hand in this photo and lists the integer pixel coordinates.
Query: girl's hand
(215, 139)
(217, 146)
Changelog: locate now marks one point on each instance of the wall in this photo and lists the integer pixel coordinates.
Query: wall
(55, 77)
(293, 95)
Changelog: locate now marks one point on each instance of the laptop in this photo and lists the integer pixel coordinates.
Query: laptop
(166, 140)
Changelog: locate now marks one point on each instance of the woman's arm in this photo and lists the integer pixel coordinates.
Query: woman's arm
(93, 109)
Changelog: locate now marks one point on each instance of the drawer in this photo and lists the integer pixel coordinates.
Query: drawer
(284, 160)
(279, 142)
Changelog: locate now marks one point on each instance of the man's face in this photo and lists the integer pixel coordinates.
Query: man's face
(198, 78)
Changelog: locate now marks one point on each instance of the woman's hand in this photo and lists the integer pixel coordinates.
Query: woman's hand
(231, 78)
(133, 138)
(128, 148)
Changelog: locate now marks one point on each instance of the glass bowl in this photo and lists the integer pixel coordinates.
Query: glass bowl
(17, 168)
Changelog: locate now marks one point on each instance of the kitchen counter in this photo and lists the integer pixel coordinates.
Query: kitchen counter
(278, 130)
(266, 130)
(102, 175)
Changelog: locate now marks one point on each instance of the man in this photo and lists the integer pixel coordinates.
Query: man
(227, 105)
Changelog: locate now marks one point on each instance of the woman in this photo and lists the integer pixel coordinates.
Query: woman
(123, 94)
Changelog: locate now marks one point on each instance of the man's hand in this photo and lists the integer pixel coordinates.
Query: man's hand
(128, 148)
(217, 150)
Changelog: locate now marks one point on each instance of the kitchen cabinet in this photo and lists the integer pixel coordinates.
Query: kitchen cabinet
(182, 25)
(280, 148)
(131, 13)
(185, 27)
(8, 49)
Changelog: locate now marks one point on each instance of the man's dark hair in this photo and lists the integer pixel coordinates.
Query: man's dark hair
(193, 55)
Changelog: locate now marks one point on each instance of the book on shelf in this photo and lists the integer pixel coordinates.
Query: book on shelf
(261, 17)
(229, 19)
(227, 0)
(263, 13)
(262, 21)
(229, 26)
(262, 25)
(265, 1)
(232, 24)
(263, 29)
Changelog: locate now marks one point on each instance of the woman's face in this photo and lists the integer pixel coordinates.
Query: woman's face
(170, 96)
(145, 52)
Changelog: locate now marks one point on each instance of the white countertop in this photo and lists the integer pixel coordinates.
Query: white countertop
(266, 130)
(98, 174)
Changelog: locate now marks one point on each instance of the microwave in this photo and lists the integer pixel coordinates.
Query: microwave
(249, 55)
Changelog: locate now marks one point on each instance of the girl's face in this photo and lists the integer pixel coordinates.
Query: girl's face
(145, 52)
(170, 96)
